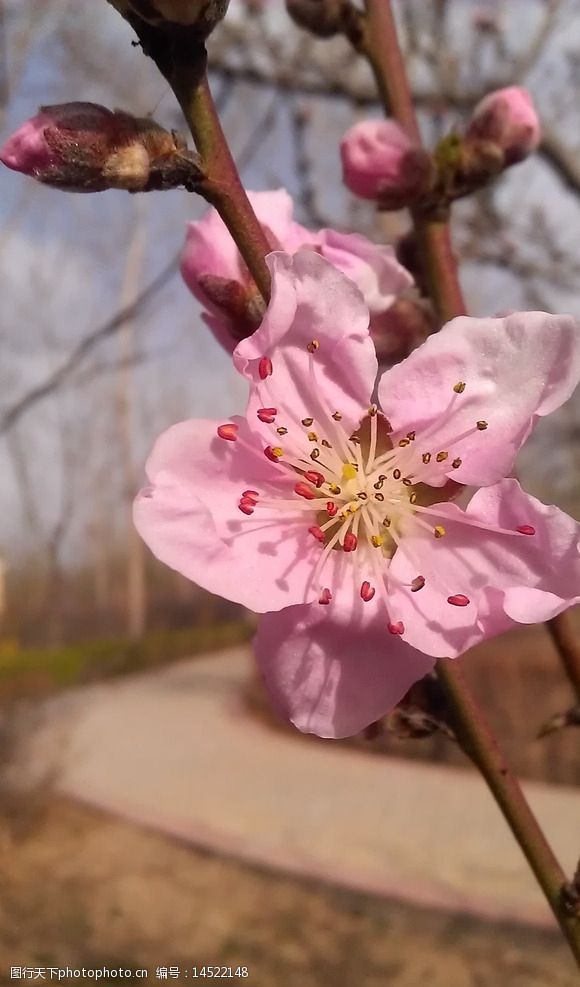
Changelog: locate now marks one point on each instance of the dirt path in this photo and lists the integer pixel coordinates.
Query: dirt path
(82, 888)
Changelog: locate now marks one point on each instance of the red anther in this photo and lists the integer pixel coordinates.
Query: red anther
(459, 600)
(313, 477)
(303, 490)
(331, 509)
(316, 532)
(265, 367)
(396, 627)
(526, 529)
(247, 506)
(250, 495)
(269, 454)
(267, 415)
(228, 432)
(325, 597)
(367, 591)
(350, 542)
(417, 584)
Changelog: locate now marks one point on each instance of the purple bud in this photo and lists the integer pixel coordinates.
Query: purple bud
(507, 118)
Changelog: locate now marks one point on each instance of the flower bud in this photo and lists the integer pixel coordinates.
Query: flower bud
(400, 329)
(203, 15)
(380, 162)
(508, 119)
(322, 17)
(84, 147)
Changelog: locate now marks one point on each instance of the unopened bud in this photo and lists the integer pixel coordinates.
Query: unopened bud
(508, 119)
(203, 15)
(400, 329)
(84, 147)
(380, 162)
(322, 17)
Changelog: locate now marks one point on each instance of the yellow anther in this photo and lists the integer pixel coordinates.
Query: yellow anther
(282, 430)
(313, 345)
(307, 422)
(277, 451)
(413, 498)
(349, 471)
(334, 488)
(312, 437)
(426, 457)
(456, 463)
(337, 416)
(459, 387)
(377, 540)
(482, 426)
(441, 457)
(439, 531)
(403, 443)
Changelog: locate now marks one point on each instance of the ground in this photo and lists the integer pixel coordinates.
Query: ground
(81, 887)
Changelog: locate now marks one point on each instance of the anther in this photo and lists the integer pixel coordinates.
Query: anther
(313, 477)
(372, 412)
(526, 529)
(250, 495)
(264, 367)
(426, 457)
(313, 345)
(439, 531)
(350, 542)
(325, 597)
(411, 436)
(459, 387)
(441, 457)
(482, 426)
(376, 541)
(315, 454)
(355, 439)
(282, 430)
(337, 416)
(386, 522)
(228, 432)
(246, 506)
(316, 532)
(273, 454)
(379, 484)
(397, 474)
(413, 498)
(267, 415)
(362, 495)
(379, 496)
(396, 627)
(407, 482)
(367, 591)
(459, 600)
(456, 463)
(404, 442)
(326, 444)
(303, 490)
(312, 437)
(307, 422)
(331, 509)
(334, 488)
(417, 583)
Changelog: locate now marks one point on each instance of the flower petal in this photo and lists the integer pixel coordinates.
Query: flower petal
(311, 300)
(514, 369)
(507, 578)
(190, 519)
(374, 269)
(331, 672)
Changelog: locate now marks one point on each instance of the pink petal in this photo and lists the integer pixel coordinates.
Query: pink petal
(507, 577)
(311, 300)
(374, 269)
(332, 673)
(189, 517)
(514, 369)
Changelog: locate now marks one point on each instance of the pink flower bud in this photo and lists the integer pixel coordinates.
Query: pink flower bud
(379, 161)
(507, 118)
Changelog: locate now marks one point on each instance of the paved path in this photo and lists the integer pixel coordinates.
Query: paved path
(175, 750)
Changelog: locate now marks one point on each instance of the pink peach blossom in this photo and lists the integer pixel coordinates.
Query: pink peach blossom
(507, 117)
(215, 273)
(380, 162)
(339, 522)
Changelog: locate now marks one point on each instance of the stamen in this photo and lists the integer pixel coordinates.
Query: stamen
(441, 457)
(377, 541)
(273, 454)
(265, 367)
(312, 437)
(417, 583)
(456, 463)
(303, 490)
(228, 432)
(426, 457)
(459, 387)
(247, 506)
(250, 495)
(326, 444)
(331, 509)
(481, 426)
(350, 542)
(526, 529)
(334, 489)
(397, 474)
(282, 430)
(313, 477)
(267, 415)
(396, 627)
(337, 416)
(439, 531)
(315, 454)
(325, 596)
(411, 436)
(459, 600)
(367, 591)
(313, 345)
(379, 496)
(404, 442)
(316, 532)
(307, 422)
